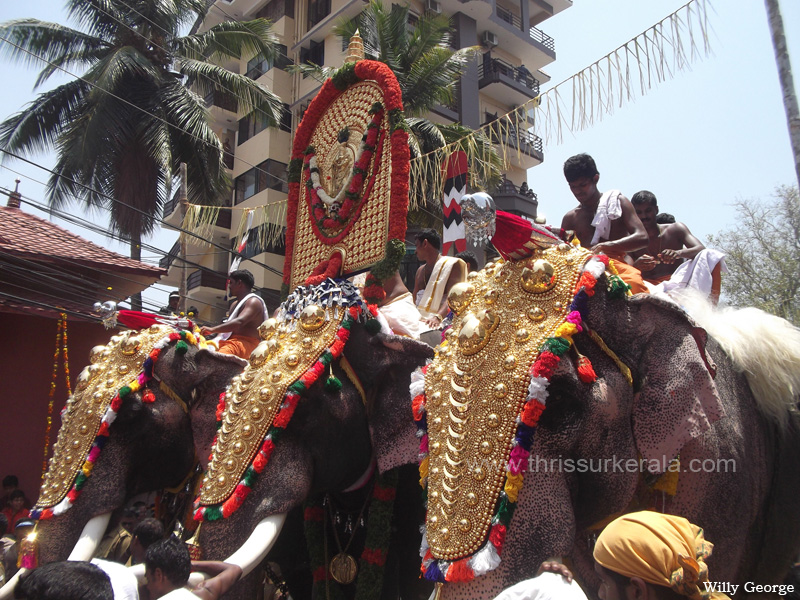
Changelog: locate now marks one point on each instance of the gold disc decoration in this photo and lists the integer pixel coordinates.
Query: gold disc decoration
(111, 367)
(343, 568)
(477, 385)
(348, 177)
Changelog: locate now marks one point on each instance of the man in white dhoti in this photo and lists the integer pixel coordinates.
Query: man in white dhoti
(399, 309)
(674, 259)
(435, 278)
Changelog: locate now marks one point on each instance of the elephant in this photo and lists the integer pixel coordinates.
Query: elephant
(739, 456)
(328, 445)
(153, 441)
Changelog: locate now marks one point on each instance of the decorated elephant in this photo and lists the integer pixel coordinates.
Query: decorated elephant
(141, 412)
(323, 401)
(557, 402)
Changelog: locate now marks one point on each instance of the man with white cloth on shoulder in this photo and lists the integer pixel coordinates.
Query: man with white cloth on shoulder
(240, 330)
(435, 278)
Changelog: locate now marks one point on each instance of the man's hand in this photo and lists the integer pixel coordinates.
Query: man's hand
(604, 248)
(433, 321)
(645, 262)
(206, 331)
(669, 256)
(552, 566)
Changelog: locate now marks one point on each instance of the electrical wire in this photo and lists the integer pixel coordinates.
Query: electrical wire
(158, 220)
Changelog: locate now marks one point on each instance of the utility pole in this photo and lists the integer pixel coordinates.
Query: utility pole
(182, 254)
(786, 80)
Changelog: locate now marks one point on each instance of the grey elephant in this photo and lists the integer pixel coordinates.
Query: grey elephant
(330, 444)
(151, 443)
(663, 396)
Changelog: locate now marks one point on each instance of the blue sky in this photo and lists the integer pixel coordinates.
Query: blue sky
(698, 141)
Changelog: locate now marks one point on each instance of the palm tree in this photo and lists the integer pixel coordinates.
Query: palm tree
(428, 70)
(123, 127)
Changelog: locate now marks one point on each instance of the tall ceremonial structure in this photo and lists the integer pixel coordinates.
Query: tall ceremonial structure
(507, 73)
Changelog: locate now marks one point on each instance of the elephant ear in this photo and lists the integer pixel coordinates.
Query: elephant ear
(678, 400)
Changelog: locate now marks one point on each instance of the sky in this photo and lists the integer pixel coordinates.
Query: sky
(699, 141)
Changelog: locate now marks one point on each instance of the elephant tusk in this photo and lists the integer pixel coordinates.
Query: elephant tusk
(90, 537)
(253, 551)
(7, 591)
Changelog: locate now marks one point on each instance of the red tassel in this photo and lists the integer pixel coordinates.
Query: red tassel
(459, 571)
(148, 397)
(585, 370)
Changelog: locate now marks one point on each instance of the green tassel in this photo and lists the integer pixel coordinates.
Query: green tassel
(80, 480)
(181, 347)
(616, 287)
(213, 513)
(333, 384)
(373, 326)
(249, 478)
(556, 345)
(298, 387)
(505, 510)
(124, 391)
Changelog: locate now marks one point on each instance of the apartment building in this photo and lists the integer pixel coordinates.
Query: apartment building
(508, 74)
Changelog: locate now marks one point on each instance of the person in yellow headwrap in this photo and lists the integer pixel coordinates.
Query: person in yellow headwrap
(652, 556)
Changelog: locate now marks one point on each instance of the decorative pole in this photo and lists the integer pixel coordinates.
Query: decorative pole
(355, 49)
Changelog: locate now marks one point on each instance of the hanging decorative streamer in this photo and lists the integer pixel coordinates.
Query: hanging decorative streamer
(635, 67)
(652, 57)
(61, 348)
(268, 223)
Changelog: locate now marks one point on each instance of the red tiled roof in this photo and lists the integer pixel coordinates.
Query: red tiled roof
(25, 235)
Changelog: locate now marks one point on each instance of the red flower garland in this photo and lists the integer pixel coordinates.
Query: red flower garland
(393, 101)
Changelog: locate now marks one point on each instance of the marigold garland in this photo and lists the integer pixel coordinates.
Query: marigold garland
(61, 348)
(139, 382)
(487, 558)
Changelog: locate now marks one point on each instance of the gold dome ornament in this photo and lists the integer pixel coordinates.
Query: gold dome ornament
(539, 276)
(355, 49)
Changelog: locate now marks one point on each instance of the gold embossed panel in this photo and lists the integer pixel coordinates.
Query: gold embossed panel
(112, 366)
(254, 397)
(349, 110)
(478, 383)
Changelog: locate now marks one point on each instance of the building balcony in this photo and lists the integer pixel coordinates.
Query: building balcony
(506, 83)
(172, 213)
(166, 261)
(206, 279)
(525, 149)
(222, 100)
(517, 200)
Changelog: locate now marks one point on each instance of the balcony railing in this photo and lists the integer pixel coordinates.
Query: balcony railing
(223, 219)
(171, 204)
(496, 66)
(167, 261)
(223, 100)
(537, 35)
(506, 188)
(209, 279)
(525, 141)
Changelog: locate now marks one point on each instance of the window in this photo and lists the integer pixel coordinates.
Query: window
(315, 53)
(317, 10)
(286, 118)
(270, 174)
(276, 9)
(251, 125)
(259, 65)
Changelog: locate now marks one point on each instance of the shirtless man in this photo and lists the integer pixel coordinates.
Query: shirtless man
(670, 246)
(667, 244)
(604, 223)
(248, 313)
(435, 278)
